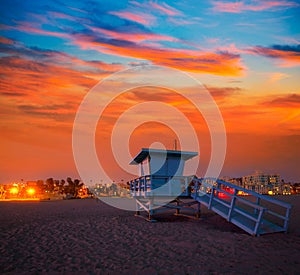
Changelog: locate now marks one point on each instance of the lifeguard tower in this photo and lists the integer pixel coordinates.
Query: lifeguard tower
(164, 187)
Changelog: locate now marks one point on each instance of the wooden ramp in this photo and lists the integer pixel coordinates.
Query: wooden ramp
(254, 213)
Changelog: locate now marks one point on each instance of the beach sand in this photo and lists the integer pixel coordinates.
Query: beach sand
(88, 236)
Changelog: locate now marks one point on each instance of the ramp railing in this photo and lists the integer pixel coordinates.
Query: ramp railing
(255, 213)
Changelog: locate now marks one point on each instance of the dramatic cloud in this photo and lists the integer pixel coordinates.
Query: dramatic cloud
(130, 45)
(286, 101)
(63, 112)
(221, 63)
(34, 80)
(288, 55)
(136, 41)
(220, 93)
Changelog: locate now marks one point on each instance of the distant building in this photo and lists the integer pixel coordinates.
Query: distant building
(287, 189)
(263, 183)
(236, 181)
(295, 188)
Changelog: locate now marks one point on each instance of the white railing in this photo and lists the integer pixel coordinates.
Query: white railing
(249, 215)
(153, 185)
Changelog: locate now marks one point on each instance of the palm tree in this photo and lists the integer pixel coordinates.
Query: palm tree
(62, 186)
(78, 186)
(50, 184)
(74, 186)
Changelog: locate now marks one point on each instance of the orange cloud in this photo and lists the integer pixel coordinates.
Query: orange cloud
(187, 60)
(44, 87)
(38, 102)
(284, 101)
(221, 94)
(27, 76)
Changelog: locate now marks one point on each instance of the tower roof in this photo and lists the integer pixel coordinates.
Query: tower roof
(145, 152)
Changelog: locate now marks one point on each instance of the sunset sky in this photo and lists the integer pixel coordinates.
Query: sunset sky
(246, 54)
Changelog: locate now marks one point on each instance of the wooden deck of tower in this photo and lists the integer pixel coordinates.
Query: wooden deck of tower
(164, 187)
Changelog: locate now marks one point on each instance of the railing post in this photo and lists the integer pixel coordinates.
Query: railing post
(218, 188)
(257, 202)
(196, 188)
(140, 186)
(150, 182)
(177, 209)
(211, 197)
(232, 204)
(137, 211)
(151, 212)
(286, 221)
(258, 221)
(134, 187)
(198, 213)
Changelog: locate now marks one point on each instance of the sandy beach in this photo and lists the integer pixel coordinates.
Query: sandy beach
(87, 236)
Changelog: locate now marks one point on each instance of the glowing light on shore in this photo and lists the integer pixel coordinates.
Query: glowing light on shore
(14, 191)
(30, 191)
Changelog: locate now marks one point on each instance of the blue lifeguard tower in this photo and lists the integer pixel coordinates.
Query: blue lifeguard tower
(164, 187)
